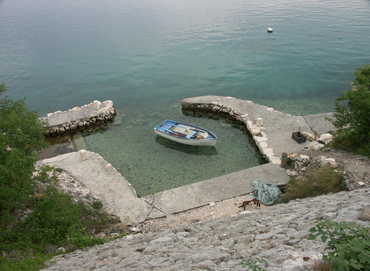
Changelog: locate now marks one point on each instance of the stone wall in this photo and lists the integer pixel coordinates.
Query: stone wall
(277, 234)
(78, 118)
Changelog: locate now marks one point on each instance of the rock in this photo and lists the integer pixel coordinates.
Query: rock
(256, 131)
(325, 138)
(303, 158)
(291, 172)
(365, 213)
(114, 234)
(259, 122)
(135, 229)
(309, 136)
(61, 250)
(324, 161)
(315, 146)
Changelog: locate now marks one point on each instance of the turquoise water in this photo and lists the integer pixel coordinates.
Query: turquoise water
(146, 55)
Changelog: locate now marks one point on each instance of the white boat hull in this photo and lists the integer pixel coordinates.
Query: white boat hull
(198, 142)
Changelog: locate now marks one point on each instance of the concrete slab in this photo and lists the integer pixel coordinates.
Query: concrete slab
(215, 189)
(104, 182)
(78, 113)
(79, 117)
(319, 123)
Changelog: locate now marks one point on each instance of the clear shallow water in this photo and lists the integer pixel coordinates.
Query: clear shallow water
(153, 164)
(146, 55)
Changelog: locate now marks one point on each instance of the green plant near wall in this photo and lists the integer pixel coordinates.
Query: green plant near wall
(317, 181)
(21, 136)
(352, 116)
(348, 245)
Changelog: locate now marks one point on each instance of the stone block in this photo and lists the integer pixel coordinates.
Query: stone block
(315, 146)
(325, 138)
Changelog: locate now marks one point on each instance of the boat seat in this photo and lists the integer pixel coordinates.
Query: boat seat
(189, 136)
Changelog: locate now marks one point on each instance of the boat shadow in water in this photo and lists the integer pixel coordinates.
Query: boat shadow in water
(198, 150)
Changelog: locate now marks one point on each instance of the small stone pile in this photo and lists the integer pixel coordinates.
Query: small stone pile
(297, 164)
(64, 182)
(317, 142)
(79, 117)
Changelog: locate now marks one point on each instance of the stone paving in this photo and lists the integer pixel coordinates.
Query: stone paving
(277, 234)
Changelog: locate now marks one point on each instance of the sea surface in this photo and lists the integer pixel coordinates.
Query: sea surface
(146, 55)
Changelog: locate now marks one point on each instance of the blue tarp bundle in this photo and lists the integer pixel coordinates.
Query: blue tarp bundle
(267, 194)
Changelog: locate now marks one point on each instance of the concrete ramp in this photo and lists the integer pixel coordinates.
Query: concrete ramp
(104, 182)
(215, 189)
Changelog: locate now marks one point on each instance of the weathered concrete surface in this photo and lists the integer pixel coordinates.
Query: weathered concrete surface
(216, 189)
(272, 138)
(104, 182)
(119, 197)
(277, 234)
(60, 122)
(319, 123)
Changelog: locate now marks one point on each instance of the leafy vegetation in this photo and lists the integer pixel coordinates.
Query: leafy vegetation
(20, 137)
(348, 245)
(36, 219)
(317, 181)
(352, 116)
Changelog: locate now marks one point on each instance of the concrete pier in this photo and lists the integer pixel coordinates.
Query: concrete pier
(216, 189)
(271, 129)
(119, 198)
(79, 117)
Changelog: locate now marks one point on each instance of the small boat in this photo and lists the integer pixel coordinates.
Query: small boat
(270, 30)
(185, 133)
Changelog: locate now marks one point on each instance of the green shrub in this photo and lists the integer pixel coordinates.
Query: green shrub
(35, 217)
(352, 116)
(348, 245)
(35, 262)
(318, 181)
(58, 220)
(20, 137)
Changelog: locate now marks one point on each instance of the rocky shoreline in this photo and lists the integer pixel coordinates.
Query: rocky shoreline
(78, 118)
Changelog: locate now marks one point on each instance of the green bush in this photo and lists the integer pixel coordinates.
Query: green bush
(20, 137)
(56, 221)
(35, 217)
(348, 245)
(352, 116)
(318, 181)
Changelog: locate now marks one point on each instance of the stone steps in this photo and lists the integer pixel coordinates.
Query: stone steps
(277, 234)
